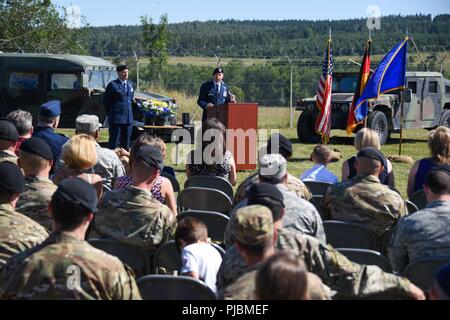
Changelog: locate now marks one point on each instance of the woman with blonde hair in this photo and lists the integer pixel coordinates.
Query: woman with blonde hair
(80, 156)
(439, 145)
(368, 138)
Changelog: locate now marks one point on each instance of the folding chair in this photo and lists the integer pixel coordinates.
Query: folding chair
(411, 207)
(215, 222)
(419, 199)
(316, 200)
(204, 199)
(317, 188)
(422, 271)
(133, 256)
(367, 257)
(165, 287)
(348, 235)
(217, 183)
(173, 181)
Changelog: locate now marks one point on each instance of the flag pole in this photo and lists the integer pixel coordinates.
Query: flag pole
(326, 140)
(367, 109)
(401, 113)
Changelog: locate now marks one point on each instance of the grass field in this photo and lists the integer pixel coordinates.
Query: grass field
(415, 145)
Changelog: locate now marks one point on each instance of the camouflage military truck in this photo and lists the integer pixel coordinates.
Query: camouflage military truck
(427, 105)
(79, 82)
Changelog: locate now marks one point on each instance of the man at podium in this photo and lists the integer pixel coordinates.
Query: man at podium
(214, 93)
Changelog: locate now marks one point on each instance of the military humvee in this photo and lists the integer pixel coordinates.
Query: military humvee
(79, 82)
(427, 105)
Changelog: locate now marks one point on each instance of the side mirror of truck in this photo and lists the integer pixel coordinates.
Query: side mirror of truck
(84, 80)
(407, 96)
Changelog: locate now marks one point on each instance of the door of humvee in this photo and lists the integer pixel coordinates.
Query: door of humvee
(432, 102)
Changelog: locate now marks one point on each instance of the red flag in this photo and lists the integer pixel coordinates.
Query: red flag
(323, 122)
(364, 74)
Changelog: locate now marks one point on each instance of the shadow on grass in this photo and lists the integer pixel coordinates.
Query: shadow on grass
(298, 160)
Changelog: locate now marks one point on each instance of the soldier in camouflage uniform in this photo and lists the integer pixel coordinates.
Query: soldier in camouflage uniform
(8, 140)
(65, 266)
(363, 199)
(300, 214)
(426, 232)
(108, 164)
(334, 269)
(17, 232)
(36, 160)
(277, 144)
(133, 215)
(254, 232)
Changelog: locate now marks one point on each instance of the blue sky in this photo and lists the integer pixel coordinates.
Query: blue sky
(127, 12)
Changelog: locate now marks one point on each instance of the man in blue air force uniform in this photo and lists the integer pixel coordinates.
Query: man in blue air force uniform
(118, 103)
(214, 93)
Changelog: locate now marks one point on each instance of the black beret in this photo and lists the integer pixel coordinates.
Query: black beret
(11, 177)
(218, 70)
(121, 67)
(371, 152)
(151, 156)
(37, 146)
(263, 189)
(78, 191)
(284, 145)
(8, 130)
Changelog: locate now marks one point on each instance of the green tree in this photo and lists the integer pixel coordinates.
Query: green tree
(155, 40)
(38, 26)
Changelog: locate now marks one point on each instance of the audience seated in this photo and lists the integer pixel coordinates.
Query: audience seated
(364, 199)
(23, 120)
(80, 156)
(439, 145)
(368, 138)
(277, 144)
(162, 189)
(199, 259)
(36, 160)
(321, 156)
(211, 157)
(426, 232)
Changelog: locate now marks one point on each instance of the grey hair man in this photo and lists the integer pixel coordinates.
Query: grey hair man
(23, 120)
(108, 164)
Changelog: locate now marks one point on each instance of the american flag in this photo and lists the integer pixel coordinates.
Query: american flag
(323, 122)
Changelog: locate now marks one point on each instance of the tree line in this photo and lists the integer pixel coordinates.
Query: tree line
(268, 39)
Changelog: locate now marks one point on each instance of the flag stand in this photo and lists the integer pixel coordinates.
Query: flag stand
(401, 123)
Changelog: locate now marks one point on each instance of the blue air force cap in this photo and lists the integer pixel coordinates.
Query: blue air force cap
(11, 178)
(51, 109)
(38, 147)
(78, 191)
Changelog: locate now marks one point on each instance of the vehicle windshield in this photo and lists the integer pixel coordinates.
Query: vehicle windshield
(101, 78)
(345, 83)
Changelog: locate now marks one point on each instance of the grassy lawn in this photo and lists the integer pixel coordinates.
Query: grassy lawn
(415, 145)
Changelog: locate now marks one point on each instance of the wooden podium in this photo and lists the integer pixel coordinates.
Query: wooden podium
(242, 137)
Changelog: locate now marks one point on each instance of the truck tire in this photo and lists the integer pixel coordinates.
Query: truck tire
(445, 119)
(305, 129)
(378, 122)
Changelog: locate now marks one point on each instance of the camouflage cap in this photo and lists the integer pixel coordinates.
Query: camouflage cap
(272, 167)
(253, 225)
(87, 123)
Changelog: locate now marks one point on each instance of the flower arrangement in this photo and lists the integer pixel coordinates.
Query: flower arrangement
(157, 109)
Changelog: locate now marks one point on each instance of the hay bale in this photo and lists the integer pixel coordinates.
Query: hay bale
(401, 159)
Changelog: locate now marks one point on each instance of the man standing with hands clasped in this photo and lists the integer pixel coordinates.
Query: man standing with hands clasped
(118, 103)
(214, 93)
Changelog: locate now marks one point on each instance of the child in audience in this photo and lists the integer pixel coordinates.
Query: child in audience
(321, 156)
(200, 259)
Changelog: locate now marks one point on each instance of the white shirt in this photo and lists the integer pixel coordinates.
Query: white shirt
(319, 173)
(203, 259)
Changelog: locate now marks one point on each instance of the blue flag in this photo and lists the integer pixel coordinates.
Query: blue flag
(389, 76)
